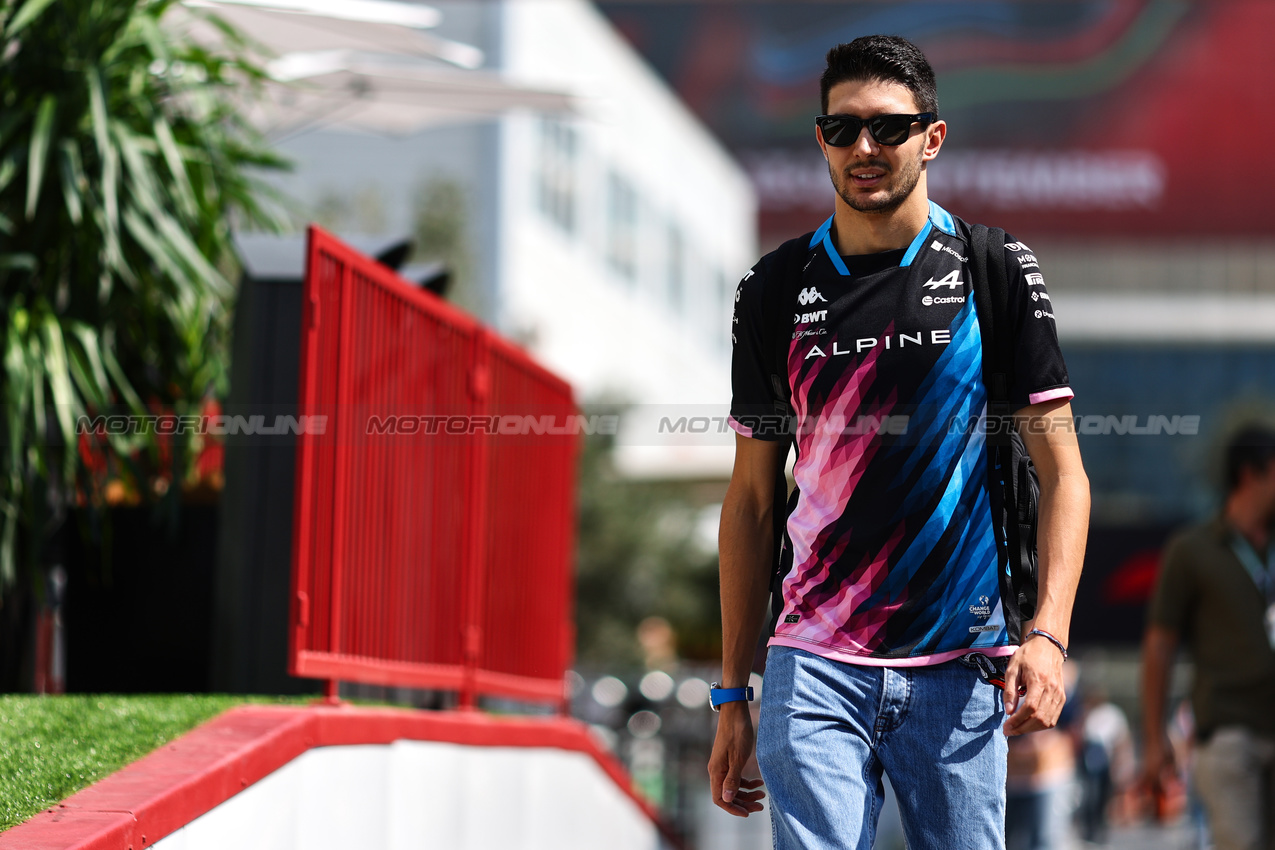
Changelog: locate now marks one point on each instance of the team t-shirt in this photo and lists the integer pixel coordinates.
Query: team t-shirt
(893, 550)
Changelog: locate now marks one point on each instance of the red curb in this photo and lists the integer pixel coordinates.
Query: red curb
(167, 789)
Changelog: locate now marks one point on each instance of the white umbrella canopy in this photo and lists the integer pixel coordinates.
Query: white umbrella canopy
(386, 94)
(361, 64)
(304, 26)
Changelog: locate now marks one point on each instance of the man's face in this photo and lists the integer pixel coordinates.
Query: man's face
(1265, 491)
(868, 176)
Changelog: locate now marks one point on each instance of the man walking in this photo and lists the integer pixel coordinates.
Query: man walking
(893, 575)
(1216, 593)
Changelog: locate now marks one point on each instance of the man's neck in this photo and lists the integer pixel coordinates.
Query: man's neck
(1249, 518)
(856, 232)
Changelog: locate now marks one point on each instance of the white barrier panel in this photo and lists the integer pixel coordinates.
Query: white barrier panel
(424, 794)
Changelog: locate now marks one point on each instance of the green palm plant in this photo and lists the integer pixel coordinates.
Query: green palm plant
(123, 164)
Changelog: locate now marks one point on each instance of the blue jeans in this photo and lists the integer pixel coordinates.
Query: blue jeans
(829, 730)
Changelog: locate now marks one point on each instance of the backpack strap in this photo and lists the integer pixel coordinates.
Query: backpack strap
(991, 297)
(1013, 532)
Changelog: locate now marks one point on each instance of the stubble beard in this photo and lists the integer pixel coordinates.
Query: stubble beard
(904, 182)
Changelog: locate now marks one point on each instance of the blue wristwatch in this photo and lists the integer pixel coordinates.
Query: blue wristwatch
(718, 695)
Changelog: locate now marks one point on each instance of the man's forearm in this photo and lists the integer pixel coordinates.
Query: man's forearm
(745, 546)
(1157, 659)
(1061, 534)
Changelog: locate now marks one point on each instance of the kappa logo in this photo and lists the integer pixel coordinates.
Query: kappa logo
(810, 296)
(952, 281)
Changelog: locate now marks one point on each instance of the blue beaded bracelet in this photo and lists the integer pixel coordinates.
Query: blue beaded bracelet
(1047, 636)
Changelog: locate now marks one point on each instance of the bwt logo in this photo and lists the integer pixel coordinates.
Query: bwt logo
(810, 296)
(803, 318)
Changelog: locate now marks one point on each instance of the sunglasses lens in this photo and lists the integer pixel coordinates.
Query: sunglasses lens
(840, 132)
(891, 129)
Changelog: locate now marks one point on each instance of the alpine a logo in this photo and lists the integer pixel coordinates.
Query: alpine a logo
(952, 281)
(810, 296)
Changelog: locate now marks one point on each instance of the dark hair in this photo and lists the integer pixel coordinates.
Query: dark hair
(1252, 447)
(882, 59)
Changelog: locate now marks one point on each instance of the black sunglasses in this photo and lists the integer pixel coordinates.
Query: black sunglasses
(842, 131)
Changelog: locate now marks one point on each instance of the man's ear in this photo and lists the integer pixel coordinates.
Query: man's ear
(935, 134)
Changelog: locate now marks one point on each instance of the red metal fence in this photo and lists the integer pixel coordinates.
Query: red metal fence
(434, 519)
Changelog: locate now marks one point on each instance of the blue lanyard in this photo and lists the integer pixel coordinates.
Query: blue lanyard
(1262, 573)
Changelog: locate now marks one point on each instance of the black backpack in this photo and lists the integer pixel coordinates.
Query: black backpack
(1012, 482)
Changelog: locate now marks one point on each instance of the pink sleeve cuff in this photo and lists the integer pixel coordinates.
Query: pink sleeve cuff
(738, 426)
(1050, 395)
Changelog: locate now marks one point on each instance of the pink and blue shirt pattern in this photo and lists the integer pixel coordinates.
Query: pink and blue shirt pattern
(893, 554)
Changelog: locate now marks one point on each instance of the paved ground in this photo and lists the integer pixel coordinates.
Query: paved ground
(1147, 837)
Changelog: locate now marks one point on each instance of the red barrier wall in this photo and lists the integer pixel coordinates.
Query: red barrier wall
(434, 519)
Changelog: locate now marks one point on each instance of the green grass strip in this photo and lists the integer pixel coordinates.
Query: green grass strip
(51, 747)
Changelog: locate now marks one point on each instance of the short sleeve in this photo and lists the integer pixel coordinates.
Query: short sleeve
(1175, 588)
(752, 405)
(1039, 371)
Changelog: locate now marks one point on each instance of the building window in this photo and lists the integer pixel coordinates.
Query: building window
(676, 268)
(622, 226)
(556, 181)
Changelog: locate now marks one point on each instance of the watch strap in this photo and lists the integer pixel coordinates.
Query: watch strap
(719, 695)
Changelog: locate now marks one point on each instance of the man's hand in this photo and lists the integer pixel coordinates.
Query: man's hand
(1158, 767)
(731, 751)
(1036, 671)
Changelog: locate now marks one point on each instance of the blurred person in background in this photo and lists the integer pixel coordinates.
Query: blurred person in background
(1104, 763)
(1040, 780)
(894, 570)
(1216, 594)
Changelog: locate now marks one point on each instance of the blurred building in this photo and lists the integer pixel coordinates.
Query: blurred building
(607, 237)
